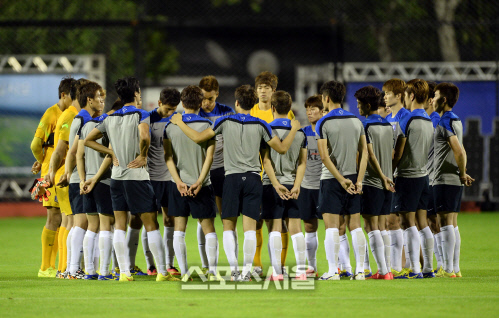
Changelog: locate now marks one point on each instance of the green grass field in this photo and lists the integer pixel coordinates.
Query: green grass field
(23, 294)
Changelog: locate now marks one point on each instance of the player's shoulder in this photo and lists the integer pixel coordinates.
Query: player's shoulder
(309, 131)
(447, 118)
(281, 123)
(155, 116)
(222, 110)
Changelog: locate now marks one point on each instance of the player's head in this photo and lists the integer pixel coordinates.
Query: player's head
(169, 98)
(75, 88)
(89, 96)
(431, 94)
(128, 90)
(333, 92)
(416, 93)
(265, 85)
(394, 91)
(368, 100)
(446, 94)
(281, 102)
(245, 97)
(383, 110)
(314, 108)
(65, 89)
(210, 89)
(191, 97)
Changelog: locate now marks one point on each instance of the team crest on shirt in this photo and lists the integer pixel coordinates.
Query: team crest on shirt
(244, 178)
(242, 118)
(124, 109)
(379, 119)
(341, 112)
(285, 123)
(188, 118)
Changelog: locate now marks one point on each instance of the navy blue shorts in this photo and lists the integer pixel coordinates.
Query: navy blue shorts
(99, 200)
(273, 207)
(447, 197)
(308, 204)
(217, 177)
(411, 194)
(161, 191)
(430, 210)
(376, 201)
(336, 200)
(245, 193)
(75, 199)
(133, 195)
(201, 207)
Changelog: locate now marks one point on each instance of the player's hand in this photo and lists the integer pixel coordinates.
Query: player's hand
(82, 187)
(63, 181)
(89, 185)
(282, 191)
(138, 162)
(294, 193)
(466, 180)
(358, 187)
(295, 124)
(182, 188)
(194, 189)
(388, 184)
(115, 160)
(176, 119)
(348, 185)
(49, 178)
(36, 167)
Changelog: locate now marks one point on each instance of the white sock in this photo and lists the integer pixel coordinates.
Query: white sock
(76, 249)
(249, 250)
(397, 245)
(448, 247)
(413, 244)
(427, 244)
(378, 250)
(230, 249)
(113, 254)
(147, 250)
(359, 247)
(367, 265)
(407, 256)
(312, 243)
(168, 243)
(332, 246)
(201, 246)
(121, 250)
(237, 243)
(300, 251)
(96, 251)
(68, 245)
(155, 243)
(275, 250)
(437, 249)
(180, 251)
(387, 241)
(212, 251)
(344, 254)
(88, 252)
(105, 247)
(457, 250)
(132, 242)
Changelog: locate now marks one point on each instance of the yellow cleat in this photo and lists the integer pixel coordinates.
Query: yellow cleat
(124, 278)
(399, 275)
(215, 278)
(48, 273)
(205, 270)
(449, 275)
(458, 274)
(168, 277)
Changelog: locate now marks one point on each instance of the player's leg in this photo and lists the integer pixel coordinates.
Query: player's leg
(427, 243)
(54, 220)
(229, 226)
(448, 242)
(169, 229)
(211, 247)
(457, 247)
(106, 222)
(274, 245)
(132, 240)
(89, 244)
(249, 246)
(332, 243)
(298, 239)
(202, 247)
(358, 244)
(79, 230)
(367, 264)
(344, 253)
(63, 235)
(259, 243)
(147, 251)
(284, 243)
(382, 224)
(70, 228)
(411, 237)
(311, 245)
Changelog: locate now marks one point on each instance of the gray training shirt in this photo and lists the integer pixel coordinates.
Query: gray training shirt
(243, 135)
(94, 159)
(188, 155)
(342, 131)
(445, 165)
(81, 119)
(156, 155)
(312, 178)
(435, 118)
(122, 128)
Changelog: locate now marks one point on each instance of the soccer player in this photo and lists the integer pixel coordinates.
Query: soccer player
(394, 90)
(412, 184)
(450, 174)
(212, 110)
(189, 164)
(377, 186)
(266, 85)
(42, 147)
(282, 188)
(169, 98)
(341, 136)
(242, 135)
(308, 200)
(131, 189)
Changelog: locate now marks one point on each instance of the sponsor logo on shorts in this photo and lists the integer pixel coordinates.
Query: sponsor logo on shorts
(244, 178)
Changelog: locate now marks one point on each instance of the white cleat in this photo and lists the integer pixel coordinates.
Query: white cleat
(358, 276)
(327, 276)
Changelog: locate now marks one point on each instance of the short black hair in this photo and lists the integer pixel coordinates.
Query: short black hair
(369, 95)
(192, 97)
(169, 96)
(449, 91)
(281, 101)
(126, 88)
(87, 90)
(65, 85)
(335, 90)
(75, 88)
(314, 101)
(432, 86)
(246, 96)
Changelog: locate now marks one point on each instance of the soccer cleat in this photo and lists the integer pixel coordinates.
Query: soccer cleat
(137, 271)
(440, 272)
(284, 273)
(458, 274)
(173, 271)
(406, 271)
(412, 275)
(124, 278)
(246, 278)
(327, 276)
(59, 274)
(107, 277)
(166, 278)
(91, 277)
(429, 275)
(116, 271)
(48, 273)
(186, 278)
(215, 278)
(359, 276)
(449, 275)
(205, 270)
(152, 271)
(80, 274)
(374, 276)
(312, 273)
(367, 273)
(387, 276)
(345, 273)
(276, 277)
(234, 275)
(257, 271)
(399, 275)
(301, 277)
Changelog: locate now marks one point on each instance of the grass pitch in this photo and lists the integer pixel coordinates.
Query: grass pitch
(23, 294)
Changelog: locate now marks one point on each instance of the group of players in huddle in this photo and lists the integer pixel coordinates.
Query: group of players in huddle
(402, 169)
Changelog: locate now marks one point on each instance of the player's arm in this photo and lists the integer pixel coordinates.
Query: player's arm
(56, 160)
(90, 183)
(170, 164)
(347, 184)
(300, 173)
(145, 141)
(362, 162)
(90, 142)
(387, 182)
(281, 190)
(80, 164)
(399, 150)
(37, 150)
(69, 164)
(197, 137)
(196, 187)
(460, 156)
(283, 147)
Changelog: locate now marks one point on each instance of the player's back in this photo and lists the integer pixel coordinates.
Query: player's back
(62, 131)
(311, 180)
(156, 154)
(394, 120)
(342, 130)
(93, 158)
(78, 122)
(435, 118)
(445, 165)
